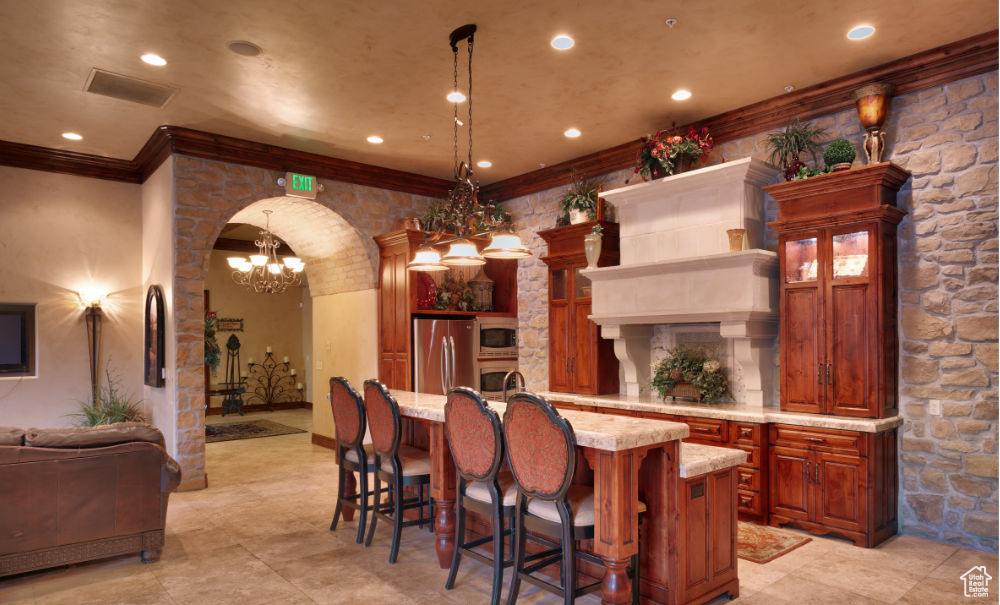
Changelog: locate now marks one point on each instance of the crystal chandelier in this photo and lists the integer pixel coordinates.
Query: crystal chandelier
(464, 209)
(263, 272)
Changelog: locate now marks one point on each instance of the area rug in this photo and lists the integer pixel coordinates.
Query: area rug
(760, 543)
(250, 429)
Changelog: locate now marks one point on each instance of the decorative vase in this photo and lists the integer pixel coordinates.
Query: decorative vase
(657, 171)
(578, 216)
(592, 248)
(872, 101)
(841, 166)
(482, 291)
(735, 239)
(682, 163)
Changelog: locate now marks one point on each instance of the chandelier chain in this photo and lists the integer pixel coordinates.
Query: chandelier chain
(470, 102)
(454, 123)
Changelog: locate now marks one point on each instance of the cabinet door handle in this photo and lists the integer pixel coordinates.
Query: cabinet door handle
(701, 429)
(815, 439)
(745, 502)
(819, 373)
(819, 473)
(828, 379)
(745, 432)
(807, 472)
(745, 479)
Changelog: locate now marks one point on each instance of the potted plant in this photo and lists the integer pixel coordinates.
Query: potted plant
(662, 154)
(110, 405)
(787, 146)
(688, 372)
(592, 245)
(580, 200)
(839, 154)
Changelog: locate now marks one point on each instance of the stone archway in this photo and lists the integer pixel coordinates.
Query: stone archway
(208, 194)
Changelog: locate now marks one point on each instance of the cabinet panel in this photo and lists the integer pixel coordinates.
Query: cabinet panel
(401, 306)
(840, 485)
(559, 340)
(802, 350)
(708, 430)
(790, 489)
(852, 372)
(748, 478)
(584, 346)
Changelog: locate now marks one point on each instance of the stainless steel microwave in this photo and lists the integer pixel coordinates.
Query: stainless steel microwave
(496, 337)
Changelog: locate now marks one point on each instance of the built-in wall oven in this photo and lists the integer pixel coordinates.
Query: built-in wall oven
(490, 374)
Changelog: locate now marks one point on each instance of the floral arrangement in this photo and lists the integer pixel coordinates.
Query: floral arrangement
(453, 294)
(213, 354)
(692, 366)
(659, 153)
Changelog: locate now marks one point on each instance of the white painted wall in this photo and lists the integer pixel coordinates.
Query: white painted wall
(158, 261)
(60, 233)
(345, 343)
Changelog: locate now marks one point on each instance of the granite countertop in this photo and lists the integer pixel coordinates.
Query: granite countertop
(598, 431)
(729, 411)
(700, 459)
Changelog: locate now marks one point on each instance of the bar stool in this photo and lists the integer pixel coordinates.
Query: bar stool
(541, 451)
(349, 418)
(476, 444)
(400, 466)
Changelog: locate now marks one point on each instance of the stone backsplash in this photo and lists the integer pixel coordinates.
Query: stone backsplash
(947, 137)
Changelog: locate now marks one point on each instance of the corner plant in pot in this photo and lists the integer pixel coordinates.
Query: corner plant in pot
(662, 154)
(787, 146)
(839, 154)
(580, 200)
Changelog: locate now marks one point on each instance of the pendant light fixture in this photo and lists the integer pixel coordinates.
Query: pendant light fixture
(463, 208)
(263, 272)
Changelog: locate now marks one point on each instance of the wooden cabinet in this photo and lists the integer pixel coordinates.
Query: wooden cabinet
(580, 361)
(837, 264)
(397, 301)
(708, 563)
(830, 481)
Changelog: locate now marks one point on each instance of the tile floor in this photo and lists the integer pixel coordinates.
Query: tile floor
(259, 534)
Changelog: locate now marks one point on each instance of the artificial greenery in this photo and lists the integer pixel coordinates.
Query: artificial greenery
(582, 196)
(806, 172)
(597, 229)
(213, 353)
(659, 153)
(109, 405)
(493, 217)
(839, 151)
(685, 364)
(787, 146)
(453, 294)
(436, 216)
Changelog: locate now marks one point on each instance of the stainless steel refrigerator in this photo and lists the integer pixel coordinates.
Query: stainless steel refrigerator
(444, 354)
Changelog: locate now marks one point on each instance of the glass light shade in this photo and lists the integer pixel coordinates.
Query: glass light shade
(463, 253)
(245, 265)
(506, 245)
(291, 261)
(258, 260)
(426, 259)
(274, 268)
(298, 267)
(872, 101)
(235, 262)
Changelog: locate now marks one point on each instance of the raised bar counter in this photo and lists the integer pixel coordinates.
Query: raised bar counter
(729, 411)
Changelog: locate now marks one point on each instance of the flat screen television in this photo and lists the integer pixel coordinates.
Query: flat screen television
(17, 340)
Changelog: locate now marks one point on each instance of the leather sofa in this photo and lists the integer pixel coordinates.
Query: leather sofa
(76, 494)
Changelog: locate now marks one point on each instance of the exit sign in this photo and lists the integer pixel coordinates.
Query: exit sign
(300, 185)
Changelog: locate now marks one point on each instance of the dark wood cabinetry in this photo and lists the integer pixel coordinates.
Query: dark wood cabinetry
(830, 481)
(837, 264)
(397, 301)
(580, 361)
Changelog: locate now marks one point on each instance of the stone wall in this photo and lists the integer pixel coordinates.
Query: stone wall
(947, 137)
(210, 193)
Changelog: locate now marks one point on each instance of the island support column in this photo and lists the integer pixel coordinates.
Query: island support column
(443, 485)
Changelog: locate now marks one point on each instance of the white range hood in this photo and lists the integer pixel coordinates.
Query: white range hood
(676, 268)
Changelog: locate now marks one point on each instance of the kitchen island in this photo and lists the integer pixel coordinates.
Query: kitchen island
(631, 459)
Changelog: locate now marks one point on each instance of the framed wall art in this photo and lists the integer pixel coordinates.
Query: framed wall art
(153, 366)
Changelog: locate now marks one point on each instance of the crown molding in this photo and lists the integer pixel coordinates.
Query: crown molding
(962, 59)
(46, 159)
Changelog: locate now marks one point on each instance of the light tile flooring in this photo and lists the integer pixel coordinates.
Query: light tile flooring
(259, 534)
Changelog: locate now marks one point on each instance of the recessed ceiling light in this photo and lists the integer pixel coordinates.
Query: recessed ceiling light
(153, 59)
(72, 136)
(572, 133)
(426, 137)
(671, 22)
(562, 42)
(681, 95)
(860, 32)
(484, 163)
(456, 97)
(789, 88)
(244, 48)
(375, 139)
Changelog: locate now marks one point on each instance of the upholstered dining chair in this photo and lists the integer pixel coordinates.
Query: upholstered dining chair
(476, 443)
(398, 465)
(541, 451)
(354, 455)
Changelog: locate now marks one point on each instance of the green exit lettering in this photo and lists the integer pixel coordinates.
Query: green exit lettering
(302, 182)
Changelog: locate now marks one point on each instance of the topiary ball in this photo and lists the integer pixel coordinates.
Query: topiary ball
(839, 151)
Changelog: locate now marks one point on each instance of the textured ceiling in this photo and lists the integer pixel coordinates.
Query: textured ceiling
(333, 73)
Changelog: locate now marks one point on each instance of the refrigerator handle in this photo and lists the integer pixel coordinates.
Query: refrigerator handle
(451, 379)
(444, 366)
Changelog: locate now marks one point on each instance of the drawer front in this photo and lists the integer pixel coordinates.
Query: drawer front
(748, 502)
(818, 439)
(748, 478)
(753, 456)
(746, 433)
(708, 429)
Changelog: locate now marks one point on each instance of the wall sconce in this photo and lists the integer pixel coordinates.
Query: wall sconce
(94, 317)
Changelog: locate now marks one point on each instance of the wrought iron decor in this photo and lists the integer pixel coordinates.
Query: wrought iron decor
(230, 324)
(154, 337)
(233, 401)
(271, 382)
